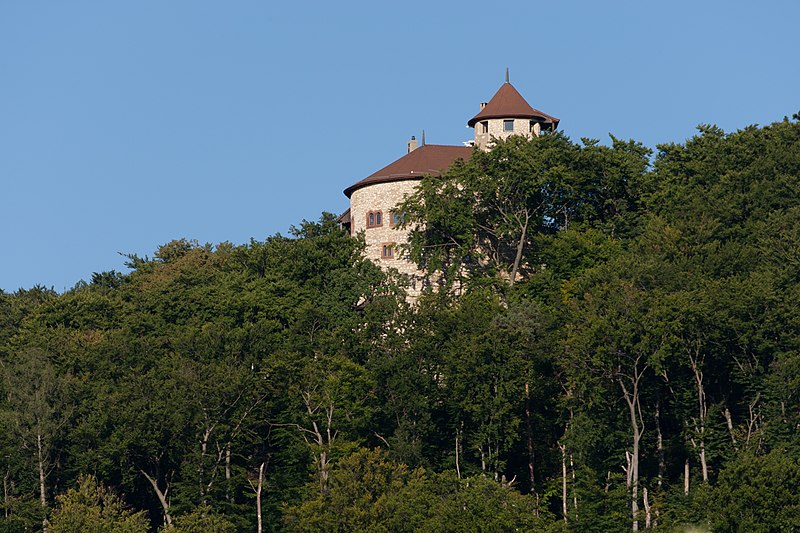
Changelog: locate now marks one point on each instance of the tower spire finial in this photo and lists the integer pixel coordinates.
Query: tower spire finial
(507, 75)
(423, 137)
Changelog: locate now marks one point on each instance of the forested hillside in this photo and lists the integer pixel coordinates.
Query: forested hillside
(611, 341)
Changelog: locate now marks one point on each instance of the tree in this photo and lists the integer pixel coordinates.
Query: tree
(330, 403)
(370, 493)
(94, 508)
(757, 494)
(201, 520)
(35, 412)
(483, 217)
(615, 336)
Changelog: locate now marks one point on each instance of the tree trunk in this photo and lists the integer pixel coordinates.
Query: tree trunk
(574, 491)
(5, 492)
(228, 472)
(201, 464)
(42, 477)
(162, 497)
(520, 246)
(564, 498)
(458, 466)
(323, 441)
(631, 395)
(702, 408)
(686, 477)
(660, 447)
(729, 422)
(647, 515)
(40, 456)
(529, 438)
(258, 495)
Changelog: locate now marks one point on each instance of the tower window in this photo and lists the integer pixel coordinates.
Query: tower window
(374, 219)
(508, 125)
(397, 218)
(387, 250)
(485, 126)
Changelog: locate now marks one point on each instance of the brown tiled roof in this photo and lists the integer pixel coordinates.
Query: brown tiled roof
(508, 103)
(344, 218)
(429, 159)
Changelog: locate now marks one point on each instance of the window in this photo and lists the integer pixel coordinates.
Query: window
(397, 218)
(387, 250)
(374, 219)
(508, 125)
(485, 126)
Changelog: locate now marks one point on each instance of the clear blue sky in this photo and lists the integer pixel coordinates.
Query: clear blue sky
(124, 125)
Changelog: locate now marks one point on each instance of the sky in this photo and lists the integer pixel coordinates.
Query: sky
(125, 125)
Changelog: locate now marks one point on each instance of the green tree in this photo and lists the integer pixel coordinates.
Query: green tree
(370, 493)
(201, 520)
(615, 338)
(757, 494)
(94, 508)
(483, 217)
(35, 412)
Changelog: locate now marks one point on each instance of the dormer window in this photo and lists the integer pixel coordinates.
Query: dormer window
(508, 125)
(374, 219)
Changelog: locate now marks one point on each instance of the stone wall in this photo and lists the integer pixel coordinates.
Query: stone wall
(383, 197)
(522, 126)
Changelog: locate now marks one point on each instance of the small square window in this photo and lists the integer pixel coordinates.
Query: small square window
(508, 125)
(387, 250)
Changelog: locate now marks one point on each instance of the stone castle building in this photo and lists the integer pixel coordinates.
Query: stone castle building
(373, 199)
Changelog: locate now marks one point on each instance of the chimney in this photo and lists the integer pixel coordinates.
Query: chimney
(412, 144)
(483, 104)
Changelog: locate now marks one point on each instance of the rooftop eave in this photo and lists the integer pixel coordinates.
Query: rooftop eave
(541, 117)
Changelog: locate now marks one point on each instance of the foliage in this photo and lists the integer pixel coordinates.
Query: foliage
(370, 493)
(94, 508)
(201, 520)
(611, 343)
(758, 494)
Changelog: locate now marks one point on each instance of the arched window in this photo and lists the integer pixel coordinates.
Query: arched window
(387, 250)
(374, 219)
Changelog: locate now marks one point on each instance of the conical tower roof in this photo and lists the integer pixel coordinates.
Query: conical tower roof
(429, 159)
(508, 103)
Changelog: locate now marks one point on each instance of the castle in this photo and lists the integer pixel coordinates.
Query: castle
(373, 199)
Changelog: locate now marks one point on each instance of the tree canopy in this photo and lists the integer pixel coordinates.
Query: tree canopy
(609, 342)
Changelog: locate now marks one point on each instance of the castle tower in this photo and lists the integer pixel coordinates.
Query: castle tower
(373, 200)
(506, 114)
